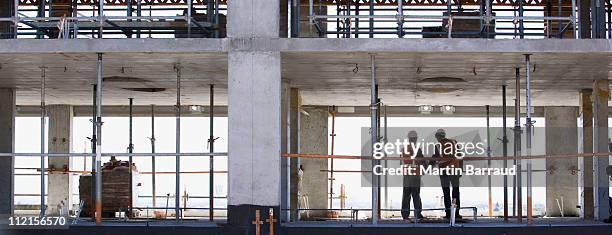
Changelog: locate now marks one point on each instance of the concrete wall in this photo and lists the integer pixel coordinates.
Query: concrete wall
(562, 176)
(60, 141)
(7, 145)
(313, 140)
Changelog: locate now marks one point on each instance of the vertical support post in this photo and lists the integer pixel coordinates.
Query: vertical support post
(371, 13)
(129, 12)
(374, 136)
(601, 95)
(385, 140)
(99, 140)
(521, 21)
(331, 160)
(94, 135)
(189, 3)
(400, 18)
(574, 19)
(598, 20)
(211, 142)
(138, 14)
(7, 145)
(43, 114)
(357, 3)
(16, 15)
(153, 168)
(177, 186)
(505, 151)
(131, 150)
(311, 18)
(528, 127)
(586, 117)
(101, 19)
(40, 13)
(517, 149)
(490, 193)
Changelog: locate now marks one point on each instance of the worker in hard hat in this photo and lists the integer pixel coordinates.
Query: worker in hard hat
(412, 178)
(446, 153)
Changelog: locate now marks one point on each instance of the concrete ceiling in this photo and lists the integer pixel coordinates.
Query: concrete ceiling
(431, 78)
(325, 78)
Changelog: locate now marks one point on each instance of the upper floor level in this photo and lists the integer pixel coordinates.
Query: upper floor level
(499, 19)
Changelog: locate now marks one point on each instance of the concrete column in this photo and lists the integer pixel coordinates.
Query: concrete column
(254, 112)
(60, 141)
(586, 163)
(285, 166)
(313, 140)
(294, 147)
(601, 94)
(562, 177)
(7, 145)
(7, 9)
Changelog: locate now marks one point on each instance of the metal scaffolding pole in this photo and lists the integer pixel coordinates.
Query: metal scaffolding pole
(490, 193)
(211, 142)
(43, 114)
(131, 150)
(189, 3)
(400, 20)
(517, 149)
(371, 13)
(177, 197)
(374, 138)
(153, 168)
(99, 141)
(528, 127)
(101, 19)
(16, 16)
(505, 151)
(93, 141)
(521, 21)
(331, 160)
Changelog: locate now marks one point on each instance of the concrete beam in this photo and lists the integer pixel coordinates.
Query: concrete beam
(586, 163)
(59, 187)
(255, 42)
(601, 95)
(562, 177)
(313, 140)
(7, 145)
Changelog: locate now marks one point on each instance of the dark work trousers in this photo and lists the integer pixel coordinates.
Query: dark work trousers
(412, 189)
(446, 181)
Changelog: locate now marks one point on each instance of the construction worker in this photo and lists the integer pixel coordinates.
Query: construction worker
(447, 151)
(412, 182)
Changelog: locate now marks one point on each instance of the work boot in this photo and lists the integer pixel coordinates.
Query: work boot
(420, 216)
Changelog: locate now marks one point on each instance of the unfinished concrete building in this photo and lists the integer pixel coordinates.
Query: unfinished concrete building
(243, 109)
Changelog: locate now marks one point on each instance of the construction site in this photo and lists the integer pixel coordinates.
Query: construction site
(301, 117)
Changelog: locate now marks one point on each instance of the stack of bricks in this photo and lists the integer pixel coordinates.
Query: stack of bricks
(116, 193)
(461, 28)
